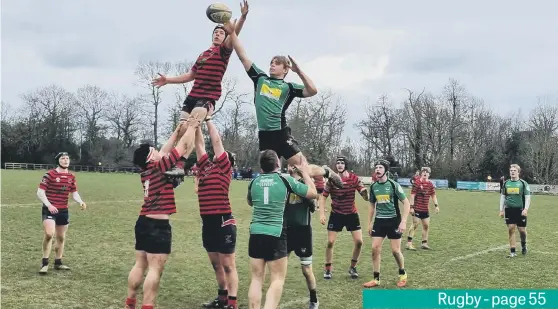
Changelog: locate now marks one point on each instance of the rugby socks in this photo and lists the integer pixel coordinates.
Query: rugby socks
(232, 302)
(523, 236)
(223, 296)
(45, 261)
(376, 276)
(512, 250)
(410, 239)
(313, 296)
(131, 302)
(401, 271)
(57, 261)
(354, 263)
(328, 266)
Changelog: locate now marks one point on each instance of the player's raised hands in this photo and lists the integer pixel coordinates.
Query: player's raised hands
(230, 26)
(294, 65)
(159, 81)
(244, 8)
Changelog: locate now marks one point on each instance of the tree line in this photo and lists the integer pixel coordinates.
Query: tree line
(451, 131)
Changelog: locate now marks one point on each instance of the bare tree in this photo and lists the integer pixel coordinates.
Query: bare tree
(145, 72)
(317, 124)
(125, 118)
(542, 145)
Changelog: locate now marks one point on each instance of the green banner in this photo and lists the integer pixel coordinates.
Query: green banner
(462, 299)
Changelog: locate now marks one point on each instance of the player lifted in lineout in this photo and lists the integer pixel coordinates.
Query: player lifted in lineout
(267, 194)
(53, 192)
(515, 201)
(386, 220)
(422, 191)
(344, 214)
(298, 219)
(272, 97)
(213, 180)
(207, 74)
(153, 232)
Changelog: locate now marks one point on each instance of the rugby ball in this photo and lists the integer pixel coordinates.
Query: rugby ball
(218, 13)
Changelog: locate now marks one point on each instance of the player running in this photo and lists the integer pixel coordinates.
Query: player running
(386, 220)
(267, 194)
(343, 214)
(207, 74)
(218, 224)
(153, 231)
(272, 98)
(298, 218)
(422, 191)
(515, 201)
(53, 192)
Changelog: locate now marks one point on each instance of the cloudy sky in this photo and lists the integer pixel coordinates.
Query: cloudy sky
(503, 51)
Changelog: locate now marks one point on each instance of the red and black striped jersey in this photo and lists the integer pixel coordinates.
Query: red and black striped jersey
(422, 190)
(158, 193)
(343, 200)
(57, 187)
(210, 67)
(214, 179)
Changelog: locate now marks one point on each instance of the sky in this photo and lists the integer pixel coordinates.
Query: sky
(502, 51)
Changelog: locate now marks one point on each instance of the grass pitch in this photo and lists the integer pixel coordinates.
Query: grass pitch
(468, 240)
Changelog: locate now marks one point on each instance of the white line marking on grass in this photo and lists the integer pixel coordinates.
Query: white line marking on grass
(543, 252)
(109, 202)
(293, 302)
(472, 255)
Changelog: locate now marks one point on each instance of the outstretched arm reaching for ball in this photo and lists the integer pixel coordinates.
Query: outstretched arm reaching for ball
(244, 8)
(229, 27)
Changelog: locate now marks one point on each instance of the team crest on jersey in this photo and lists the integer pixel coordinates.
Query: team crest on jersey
(57, 179)
(383, 198)
(272, 93)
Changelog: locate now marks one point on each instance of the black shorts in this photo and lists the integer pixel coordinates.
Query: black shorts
(513, 216)
(299, 240)
(267, 247)
(153, 235)
(422, 214)
(386, 228)
(190, 103)
(60, 218)
(219, 233)
(280, 141)
(337, 222)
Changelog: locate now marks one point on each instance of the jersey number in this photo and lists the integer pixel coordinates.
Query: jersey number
(266, 195)
(146, 188)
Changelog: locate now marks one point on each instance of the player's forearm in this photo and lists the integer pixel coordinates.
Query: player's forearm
(216, 141)
(321, 204)
(312, 193)
(199, 143)
(435, 200)
(169, 144)
(371, 213)
(308, 84)
(181, 79)
(502, 202)
(406, 210)
(77, 198)
(412, 200)
(41, 194)
(239, 24)
(241, 52)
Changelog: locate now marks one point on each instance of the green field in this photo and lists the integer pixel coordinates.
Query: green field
(468, 240)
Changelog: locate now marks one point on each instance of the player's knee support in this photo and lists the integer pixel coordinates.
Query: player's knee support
(306, 261)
